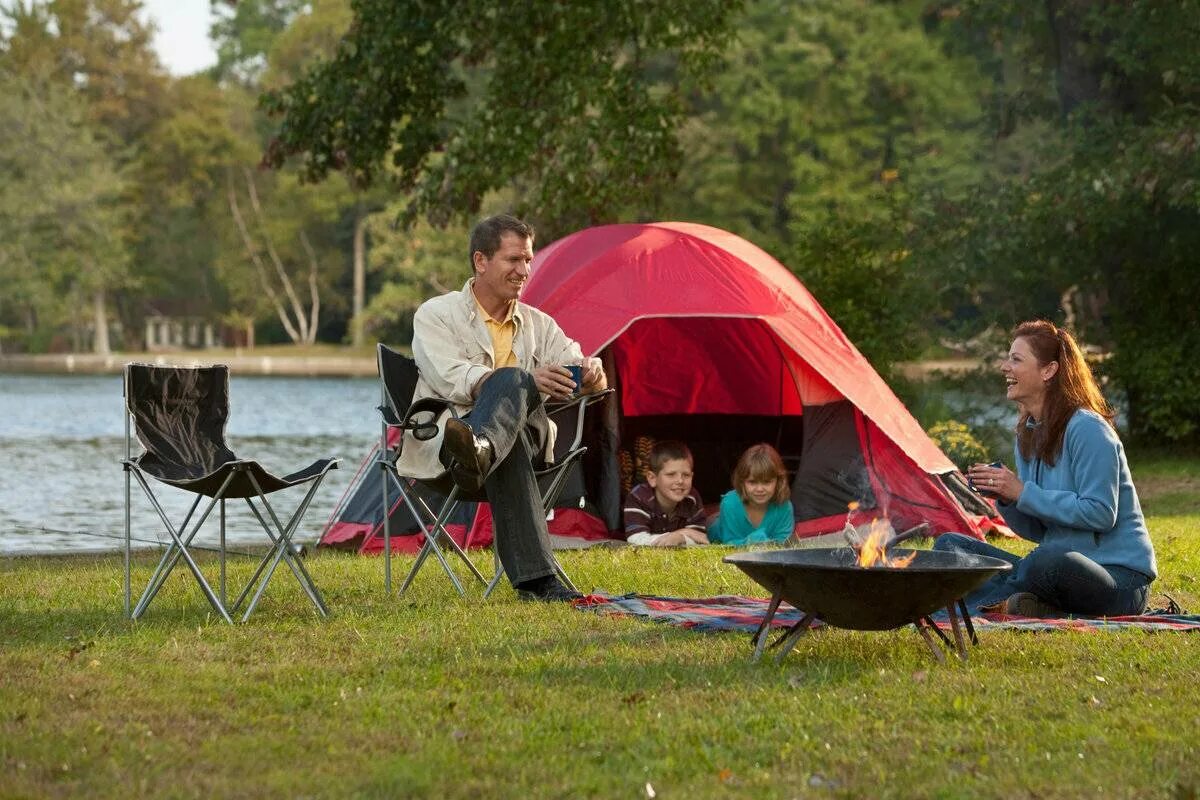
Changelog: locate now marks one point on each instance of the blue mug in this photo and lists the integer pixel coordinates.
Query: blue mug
(577, 376)
(995, 464)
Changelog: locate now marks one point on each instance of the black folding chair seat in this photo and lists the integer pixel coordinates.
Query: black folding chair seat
(179, 415)
(398, 382)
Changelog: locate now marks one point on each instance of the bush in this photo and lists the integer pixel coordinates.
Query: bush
(958, 443)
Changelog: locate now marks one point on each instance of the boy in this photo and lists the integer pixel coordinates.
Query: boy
(666, 511)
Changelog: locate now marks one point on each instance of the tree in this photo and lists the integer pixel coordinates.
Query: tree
(97, 51)
(1100, 216)
(244, 33)
(826, 111)
(576, 104)
(829, 124)
(61, 207)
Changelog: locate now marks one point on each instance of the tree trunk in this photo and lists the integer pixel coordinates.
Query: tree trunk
(360, 275)
(100, 341)
(1079, 79)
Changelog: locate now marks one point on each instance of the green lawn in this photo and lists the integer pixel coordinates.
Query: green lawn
(432, 696)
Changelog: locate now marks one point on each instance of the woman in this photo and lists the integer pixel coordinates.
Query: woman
(1072, 492)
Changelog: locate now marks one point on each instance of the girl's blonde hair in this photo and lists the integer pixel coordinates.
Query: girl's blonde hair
(761, 462)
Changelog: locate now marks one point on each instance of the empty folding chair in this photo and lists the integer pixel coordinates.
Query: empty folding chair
(398, 382)
(178, 414)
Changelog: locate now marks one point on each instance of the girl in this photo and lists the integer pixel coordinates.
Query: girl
(758, 508)
(1071, 493)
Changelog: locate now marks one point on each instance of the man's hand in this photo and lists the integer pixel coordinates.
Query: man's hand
(594, 379)
(554, 381)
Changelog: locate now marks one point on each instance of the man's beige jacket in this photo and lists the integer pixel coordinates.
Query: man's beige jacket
(453, 350)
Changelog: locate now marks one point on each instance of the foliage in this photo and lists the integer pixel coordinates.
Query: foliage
(244, 33)
(1101, 217)
(828, 125)
(60, 205)
(828, 113)
(861, 272)
(576, 104)
(959, 444)
(414, 265)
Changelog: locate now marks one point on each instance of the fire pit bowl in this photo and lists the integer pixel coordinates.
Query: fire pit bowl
(828, 585)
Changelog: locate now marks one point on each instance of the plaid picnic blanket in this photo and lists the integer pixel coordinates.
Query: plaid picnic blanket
(736, 613)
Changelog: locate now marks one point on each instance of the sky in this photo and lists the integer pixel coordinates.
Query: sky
(182, 41)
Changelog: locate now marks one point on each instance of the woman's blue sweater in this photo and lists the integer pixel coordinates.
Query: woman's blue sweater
(1086, 502)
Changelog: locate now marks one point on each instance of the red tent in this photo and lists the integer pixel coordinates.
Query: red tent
(709, 339)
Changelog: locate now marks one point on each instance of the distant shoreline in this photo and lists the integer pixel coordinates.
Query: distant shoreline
(311, 366)
(332, 364)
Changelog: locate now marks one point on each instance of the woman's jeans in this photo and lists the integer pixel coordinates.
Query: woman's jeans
(1064, 578)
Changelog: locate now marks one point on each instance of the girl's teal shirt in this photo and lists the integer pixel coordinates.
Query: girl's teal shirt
(733, 526)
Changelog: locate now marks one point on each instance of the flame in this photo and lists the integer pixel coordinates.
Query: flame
(873, 551)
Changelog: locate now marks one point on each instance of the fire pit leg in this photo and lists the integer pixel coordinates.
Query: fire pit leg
(966, 617)
(789, 639)
(933, 648)
(764, 629)
(933, 627)
(960, 644)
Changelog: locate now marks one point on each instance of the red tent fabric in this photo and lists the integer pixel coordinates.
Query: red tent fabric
(598, 282)
(698, 321)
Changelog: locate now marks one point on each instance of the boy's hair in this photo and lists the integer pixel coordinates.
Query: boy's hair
(761, 462)
(669, 450)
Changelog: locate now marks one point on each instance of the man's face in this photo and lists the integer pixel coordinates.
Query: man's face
(502, 276)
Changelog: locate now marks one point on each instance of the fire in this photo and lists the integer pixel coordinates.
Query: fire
(873, 551)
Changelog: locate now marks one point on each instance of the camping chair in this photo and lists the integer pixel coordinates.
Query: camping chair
(178, 415)
(398, 382)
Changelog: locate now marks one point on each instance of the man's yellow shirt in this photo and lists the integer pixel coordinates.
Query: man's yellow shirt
(502, 334)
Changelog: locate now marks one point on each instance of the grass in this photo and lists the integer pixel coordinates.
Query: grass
(428, 695)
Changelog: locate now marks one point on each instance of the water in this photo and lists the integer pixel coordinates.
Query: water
(62, 438)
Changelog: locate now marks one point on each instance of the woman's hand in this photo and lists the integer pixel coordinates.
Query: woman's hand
(999, 481)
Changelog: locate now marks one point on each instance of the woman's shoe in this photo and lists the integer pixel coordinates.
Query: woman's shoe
(1028, 604)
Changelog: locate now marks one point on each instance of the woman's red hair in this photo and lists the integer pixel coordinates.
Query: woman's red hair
(1071, 388)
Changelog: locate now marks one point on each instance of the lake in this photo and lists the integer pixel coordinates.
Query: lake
(62, 438)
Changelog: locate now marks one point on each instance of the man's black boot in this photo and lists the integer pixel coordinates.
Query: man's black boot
(471, 455)
(546, 590)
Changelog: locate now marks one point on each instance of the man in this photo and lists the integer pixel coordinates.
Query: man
(495, 359)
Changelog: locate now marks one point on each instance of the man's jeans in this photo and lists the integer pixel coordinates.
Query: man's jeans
(1064, 578)
(508, 412)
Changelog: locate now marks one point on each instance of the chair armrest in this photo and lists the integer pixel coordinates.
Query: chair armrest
(433, 406)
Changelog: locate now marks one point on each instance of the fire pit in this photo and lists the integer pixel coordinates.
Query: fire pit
(830, 585)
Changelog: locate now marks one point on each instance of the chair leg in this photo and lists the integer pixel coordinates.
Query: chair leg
(166, 562)
(496, 576)
(432, 533)
(223, 598)
(128, 539)
(295, 565)
(430, 546)
(387, 521)
(179, 549)
(462, 554)
(281, 550)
